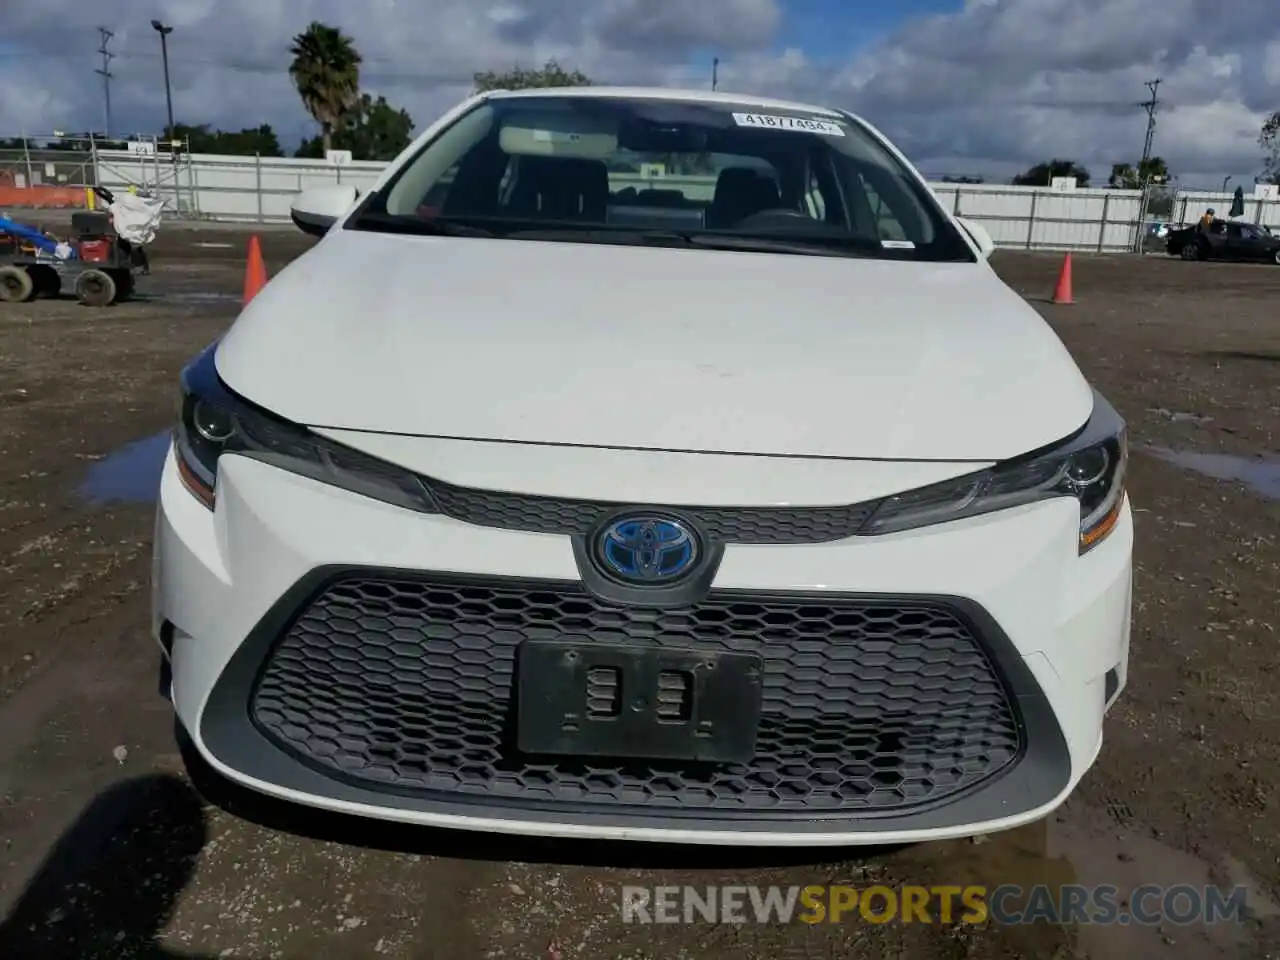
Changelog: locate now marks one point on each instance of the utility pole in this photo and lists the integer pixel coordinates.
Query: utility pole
(105, 73)
(1143, 180)
(164, 32)
(1149, 106)
(715, 73)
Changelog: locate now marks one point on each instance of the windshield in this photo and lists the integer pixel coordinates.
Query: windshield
(603, 169)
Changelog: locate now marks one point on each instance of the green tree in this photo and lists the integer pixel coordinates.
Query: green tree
(371, 130)
(326, 72)
(1042, 173)
(1126, 176)
(1269, 140)
(251, 141)
(551, 74)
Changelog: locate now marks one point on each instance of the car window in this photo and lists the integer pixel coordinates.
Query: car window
(888, 225)
(815, 204)
(613, 164)
(1234, 231)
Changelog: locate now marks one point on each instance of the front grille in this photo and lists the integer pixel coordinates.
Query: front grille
(405, 684)
(567, 517)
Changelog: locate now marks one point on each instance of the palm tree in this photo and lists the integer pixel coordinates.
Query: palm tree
(326, 71)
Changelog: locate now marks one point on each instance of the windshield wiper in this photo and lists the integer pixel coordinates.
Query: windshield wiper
(817, 247)
(416, 226)
(812, 246)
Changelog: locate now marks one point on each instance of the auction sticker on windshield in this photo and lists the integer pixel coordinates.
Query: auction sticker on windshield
(798, 124)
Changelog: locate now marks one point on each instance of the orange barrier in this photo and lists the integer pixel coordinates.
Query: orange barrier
(1062, 290)
(43, 198)
(255, 271)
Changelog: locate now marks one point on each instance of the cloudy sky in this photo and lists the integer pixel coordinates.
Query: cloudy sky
(964, 86)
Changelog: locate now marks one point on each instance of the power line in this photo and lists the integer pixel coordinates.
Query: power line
(106, 74)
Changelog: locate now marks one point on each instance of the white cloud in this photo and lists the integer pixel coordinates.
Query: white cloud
(993, 87)
(1271, 63)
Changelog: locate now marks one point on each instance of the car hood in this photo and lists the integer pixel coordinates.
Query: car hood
(655, 348)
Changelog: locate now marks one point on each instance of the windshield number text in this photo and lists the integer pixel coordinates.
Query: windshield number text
(795, 124)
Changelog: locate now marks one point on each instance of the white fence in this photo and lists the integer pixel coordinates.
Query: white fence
(237, 189)
(1036, 218)
(261, 190)
(1188, 205)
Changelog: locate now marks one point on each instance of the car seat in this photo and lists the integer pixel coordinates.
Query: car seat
(740, 193)
(554, 188)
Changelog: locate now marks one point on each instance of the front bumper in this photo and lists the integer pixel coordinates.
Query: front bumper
(259, 600)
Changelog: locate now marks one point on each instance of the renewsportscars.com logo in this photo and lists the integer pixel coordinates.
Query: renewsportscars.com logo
(1006, 905)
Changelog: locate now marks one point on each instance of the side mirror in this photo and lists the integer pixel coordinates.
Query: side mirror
(978, 234)
(315, 210)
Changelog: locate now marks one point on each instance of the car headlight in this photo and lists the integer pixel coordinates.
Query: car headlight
(213, 421)
(1090, 467)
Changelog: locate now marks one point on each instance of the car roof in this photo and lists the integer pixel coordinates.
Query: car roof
(668, 93)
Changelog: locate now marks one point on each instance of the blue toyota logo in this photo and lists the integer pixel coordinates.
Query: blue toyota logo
(647, 550)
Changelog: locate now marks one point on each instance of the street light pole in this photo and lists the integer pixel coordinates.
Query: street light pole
(164, 32)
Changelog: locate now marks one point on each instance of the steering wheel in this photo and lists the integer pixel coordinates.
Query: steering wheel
(776, 213)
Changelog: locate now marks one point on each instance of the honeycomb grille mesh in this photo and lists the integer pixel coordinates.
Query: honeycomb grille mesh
(406, 684)
(759, 525)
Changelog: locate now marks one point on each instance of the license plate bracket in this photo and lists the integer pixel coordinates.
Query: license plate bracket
(631, 702)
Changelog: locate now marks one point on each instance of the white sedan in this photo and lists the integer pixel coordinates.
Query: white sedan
(651, 465)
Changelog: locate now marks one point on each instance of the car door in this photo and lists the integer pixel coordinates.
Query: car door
(1235, 245)
(1214, 238)
(1253, 243)
(1241, 242)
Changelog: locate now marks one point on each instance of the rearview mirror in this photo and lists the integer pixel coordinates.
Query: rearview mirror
(315, 210)
(978, 234)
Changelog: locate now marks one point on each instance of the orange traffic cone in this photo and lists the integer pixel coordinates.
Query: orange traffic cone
(1062, 292)
(255, 273)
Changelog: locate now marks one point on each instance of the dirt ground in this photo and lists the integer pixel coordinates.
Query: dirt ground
(106, 850)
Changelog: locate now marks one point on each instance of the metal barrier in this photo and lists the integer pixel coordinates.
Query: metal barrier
(237, 189)
(1189, 205)
(1040, 218)
(154, 169)
(261, 190)
(43, 178)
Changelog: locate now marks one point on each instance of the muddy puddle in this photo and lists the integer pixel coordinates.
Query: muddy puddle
(187, 296)
(1093, 857)
(1260, 474)
(1180, 416)
(130, 474)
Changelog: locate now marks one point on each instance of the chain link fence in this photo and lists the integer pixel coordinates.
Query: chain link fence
(59, 173)
(46, 174)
